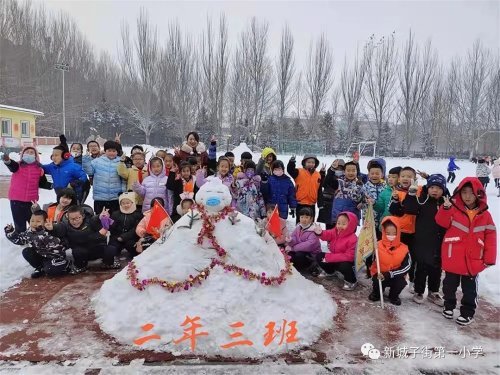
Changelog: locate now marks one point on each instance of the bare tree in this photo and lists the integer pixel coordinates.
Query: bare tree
(140, 66)
(473, 95)
(319, 77)
(285, 69)
(493, 93)
(253, 46)
(351, 86)
(415, 78)
(380, 80)
(214, 63)
(299, 101)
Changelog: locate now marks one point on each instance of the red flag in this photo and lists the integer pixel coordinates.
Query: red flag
(158, 215)
(274, 223)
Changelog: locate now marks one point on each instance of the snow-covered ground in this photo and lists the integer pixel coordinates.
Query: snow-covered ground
(13, 267)
(357, 322)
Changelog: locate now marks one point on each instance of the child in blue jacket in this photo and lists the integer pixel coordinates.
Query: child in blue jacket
(278, 189)
(65, 171)
(350, 194)
(108, 184)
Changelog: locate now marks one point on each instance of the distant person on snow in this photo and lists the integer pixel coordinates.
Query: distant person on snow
(452, 167)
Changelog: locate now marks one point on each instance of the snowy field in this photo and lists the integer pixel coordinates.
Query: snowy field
(13, 267)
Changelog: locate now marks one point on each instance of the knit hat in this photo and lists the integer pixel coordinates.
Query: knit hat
(187, 196)
(130, 195)
(436, 180)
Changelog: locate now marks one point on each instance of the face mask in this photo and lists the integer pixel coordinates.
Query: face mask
(76, 154)
(339, 173)
(213, 201)
(249, 174)
(391, 238)
(29, 158)
(278, 172)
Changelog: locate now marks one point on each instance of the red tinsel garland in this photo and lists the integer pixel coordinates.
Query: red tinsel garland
(206, 231)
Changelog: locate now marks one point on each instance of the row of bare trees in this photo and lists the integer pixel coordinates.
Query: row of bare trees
(388, 91)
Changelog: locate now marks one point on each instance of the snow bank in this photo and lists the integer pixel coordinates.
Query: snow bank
(13, 267)
(240, 149)
(221, 300)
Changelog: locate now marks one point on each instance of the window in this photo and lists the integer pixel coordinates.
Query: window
(25, 128)
(7, 127)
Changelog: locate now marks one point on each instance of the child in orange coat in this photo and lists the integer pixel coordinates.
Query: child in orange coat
(394, 261)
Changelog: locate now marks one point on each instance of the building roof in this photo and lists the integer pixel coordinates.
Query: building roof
(18, 109)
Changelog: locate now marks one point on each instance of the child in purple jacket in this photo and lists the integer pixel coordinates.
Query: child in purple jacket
(304, 244)
(155, 185)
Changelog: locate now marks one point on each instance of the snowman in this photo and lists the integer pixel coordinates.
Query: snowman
(213, 286)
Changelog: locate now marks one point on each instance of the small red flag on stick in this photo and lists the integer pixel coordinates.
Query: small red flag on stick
(274, 223)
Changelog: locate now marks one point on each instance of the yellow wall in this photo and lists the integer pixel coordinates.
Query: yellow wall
(16, 118)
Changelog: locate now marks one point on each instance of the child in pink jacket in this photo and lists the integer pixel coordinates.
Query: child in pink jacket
(342, 245)
(23, 188)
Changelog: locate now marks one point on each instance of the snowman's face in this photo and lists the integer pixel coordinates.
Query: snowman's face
(214, 195)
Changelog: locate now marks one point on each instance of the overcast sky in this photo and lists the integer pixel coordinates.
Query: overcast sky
(452, 25)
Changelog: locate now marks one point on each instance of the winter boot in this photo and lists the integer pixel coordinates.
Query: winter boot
(349, 286)
(418, 298)
(464, 320)
(436, 299)
(38, 273)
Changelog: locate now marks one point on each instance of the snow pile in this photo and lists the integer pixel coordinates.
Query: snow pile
(240, 149)
(222, 299)
(13, 267)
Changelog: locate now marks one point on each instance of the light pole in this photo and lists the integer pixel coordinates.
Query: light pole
(63, 67)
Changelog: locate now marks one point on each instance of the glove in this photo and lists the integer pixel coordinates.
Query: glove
(292, 159)
(74, 183)
(264, 177)
(106, 222)
(5, 156)
(385, 276)
(412, 190)
(317, 229)
(8, 229)
(292, 212)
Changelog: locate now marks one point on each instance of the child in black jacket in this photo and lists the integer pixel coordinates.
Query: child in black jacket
(87, 237)
(122, 230)
(428, 238)
(46, 253)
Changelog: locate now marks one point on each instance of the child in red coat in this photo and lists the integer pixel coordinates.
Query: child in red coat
(342, 245)
(469, 246)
